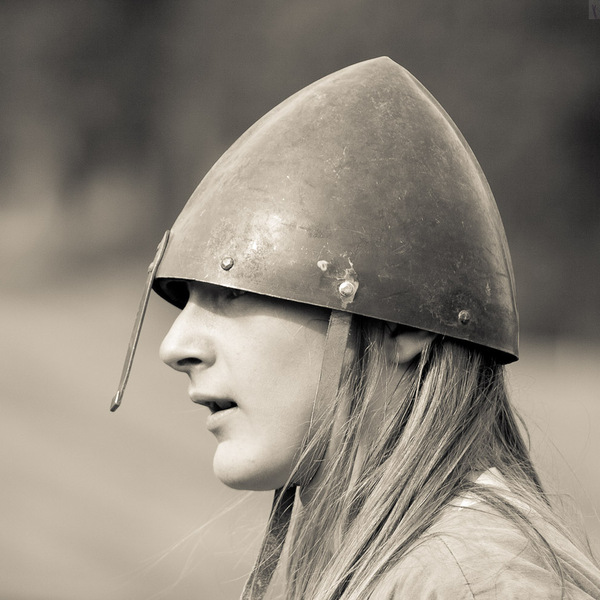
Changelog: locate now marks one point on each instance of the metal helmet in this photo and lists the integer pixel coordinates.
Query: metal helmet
(357, 193)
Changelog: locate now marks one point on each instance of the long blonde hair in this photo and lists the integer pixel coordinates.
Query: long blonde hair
(368, 510)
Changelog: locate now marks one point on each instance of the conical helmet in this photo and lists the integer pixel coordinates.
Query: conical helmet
(358, 193)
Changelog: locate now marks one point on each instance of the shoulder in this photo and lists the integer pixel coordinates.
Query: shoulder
(429, 571)
(474, 554)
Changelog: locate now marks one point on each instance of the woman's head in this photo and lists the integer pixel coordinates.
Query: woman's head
(356, 195)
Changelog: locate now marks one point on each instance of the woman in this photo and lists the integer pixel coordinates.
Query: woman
(347, 307)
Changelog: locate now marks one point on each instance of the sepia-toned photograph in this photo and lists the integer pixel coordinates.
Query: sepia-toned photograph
(299, 300)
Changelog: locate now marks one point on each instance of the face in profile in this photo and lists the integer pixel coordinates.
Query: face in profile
(255, 363)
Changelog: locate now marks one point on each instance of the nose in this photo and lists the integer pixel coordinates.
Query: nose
(188, 345)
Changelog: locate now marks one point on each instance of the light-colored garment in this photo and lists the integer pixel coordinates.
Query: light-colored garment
(472, 553)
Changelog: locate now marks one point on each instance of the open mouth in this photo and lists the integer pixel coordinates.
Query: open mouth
(220, 405)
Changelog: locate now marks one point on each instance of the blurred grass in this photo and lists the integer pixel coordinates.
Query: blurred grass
(91, 499)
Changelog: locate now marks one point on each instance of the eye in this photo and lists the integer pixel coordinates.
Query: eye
(232, 294)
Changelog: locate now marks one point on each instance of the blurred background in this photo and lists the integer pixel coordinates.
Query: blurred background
(110, 114)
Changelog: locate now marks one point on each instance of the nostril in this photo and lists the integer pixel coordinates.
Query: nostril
(188, 362)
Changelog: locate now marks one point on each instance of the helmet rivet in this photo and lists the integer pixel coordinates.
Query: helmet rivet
(464, 316)
(226, 263)
(346, 289)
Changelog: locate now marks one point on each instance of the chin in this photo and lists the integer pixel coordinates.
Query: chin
(248, 474)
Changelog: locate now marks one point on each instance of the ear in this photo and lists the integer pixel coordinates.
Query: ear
(403, 344)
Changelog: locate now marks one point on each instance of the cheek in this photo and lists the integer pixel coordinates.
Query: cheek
(286, 365)
(295, 380)
(280, 390)
(300, 355)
